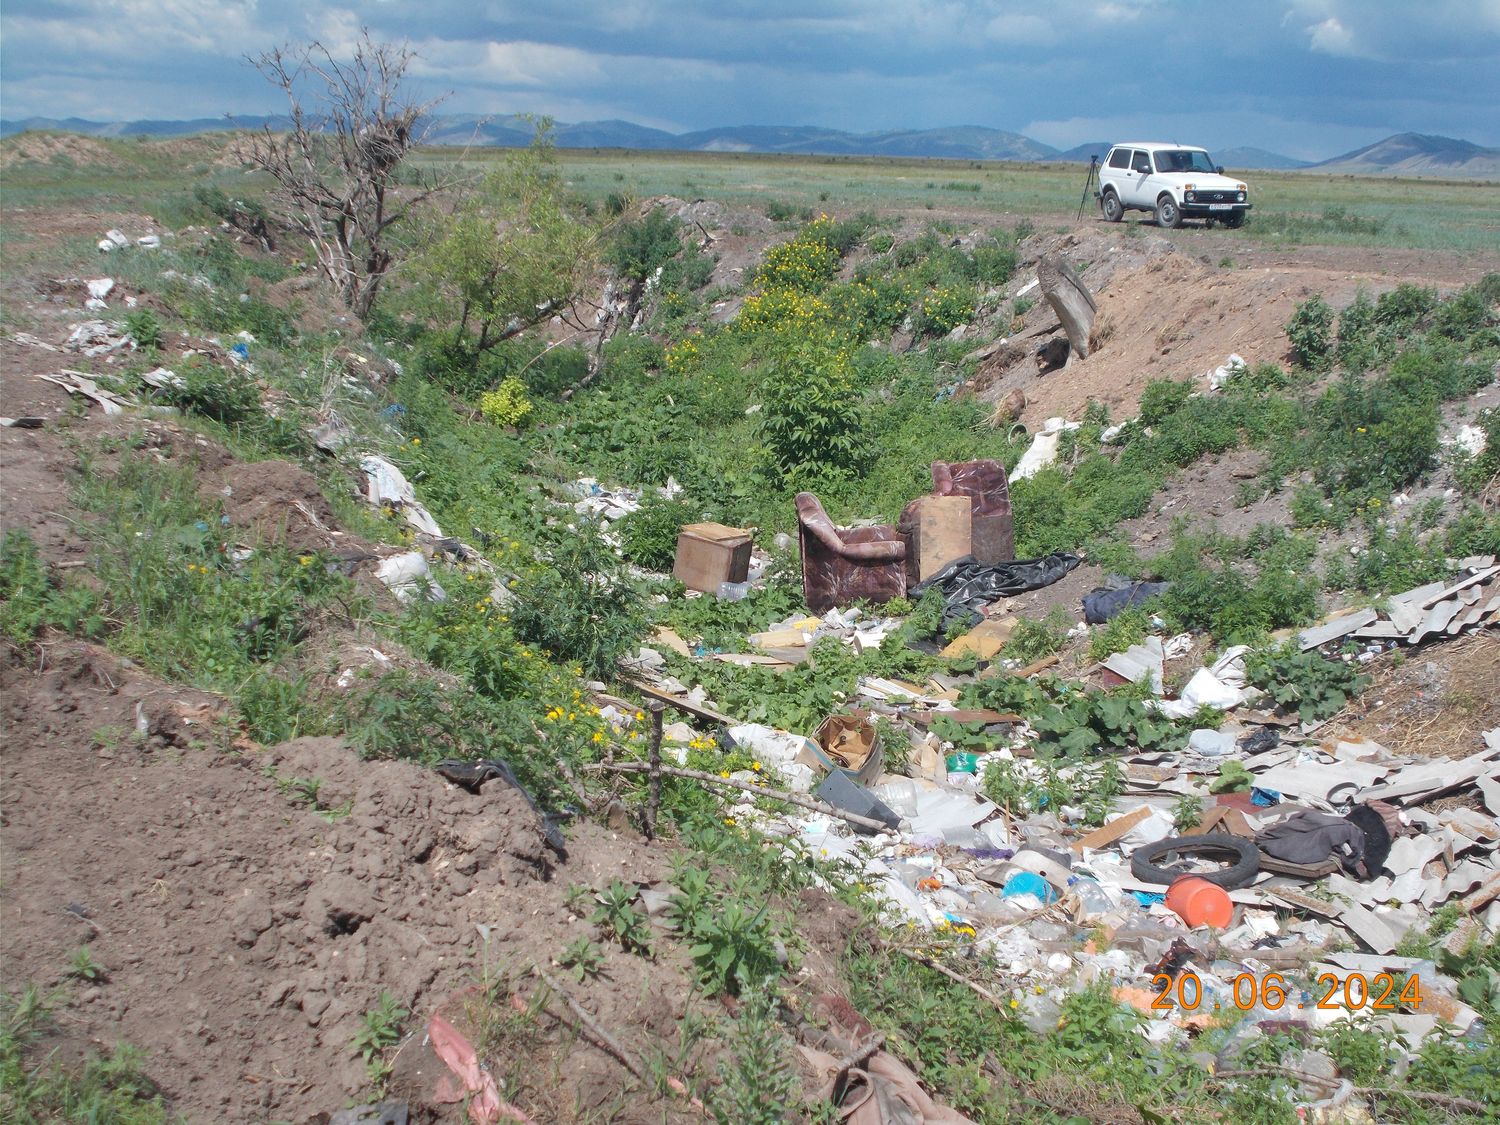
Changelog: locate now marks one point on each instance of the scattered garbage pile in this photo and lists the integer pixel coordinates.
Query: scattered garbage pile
(1263, 868)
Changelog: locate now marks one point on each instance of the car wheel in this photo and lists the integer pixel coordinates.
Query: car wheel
(1109, 203)
(1234, 220)
(1168, 214)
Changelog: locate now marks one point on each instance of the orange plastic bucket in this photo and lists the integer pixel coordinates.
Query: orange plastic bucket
(1200, 903)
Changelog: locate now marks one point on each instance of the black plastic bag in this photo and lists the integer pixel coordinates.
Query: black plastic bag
(969, 585)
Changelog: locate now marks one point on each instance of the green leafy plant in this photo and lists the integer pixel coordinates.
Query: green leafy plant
(641, 248)
(758, 1085)
(1310, 334)
(507, 404)
(83, 967)
(144, 327)
(380, 1029)
(617, 915)
(1306, 682)
(1033, 639)
(1187, 813)
(583, 958)
(578, 603)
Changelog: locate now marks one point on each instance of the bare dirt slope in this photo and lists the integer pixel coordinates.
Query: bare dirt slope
(243, 931)
(1166, 312)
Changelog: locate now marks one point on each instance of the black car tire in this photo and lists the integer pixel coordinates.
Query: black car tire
(1155, 863)
(1109, 204)
(1168, 214)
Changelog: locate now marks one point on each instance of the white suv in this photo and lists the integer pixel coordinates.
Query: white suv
(1174, 182)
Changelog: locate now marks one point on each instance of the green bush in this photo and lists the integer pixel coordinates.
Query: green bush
(649, 535)
(1162, 398)
(1310, 333)
(811, 416)
(578, 603)
(641, 248)
(225, 394)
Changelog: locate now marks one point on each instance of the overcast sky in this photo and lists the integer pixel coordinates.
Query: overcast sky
(1307, 78)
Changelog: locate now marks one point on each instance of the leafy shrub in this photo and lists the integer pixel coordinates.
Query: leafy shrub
(811, 417)
(30, 601)
(1358, 349)
(225, 394)
(1032, 639)
(1310, 333)
(578, 603)
(650, 534)
(507, 404)
(1162, 398)
(944, 309)
(804, 265)
(1307, 682)
(643, 247)
(143, 326)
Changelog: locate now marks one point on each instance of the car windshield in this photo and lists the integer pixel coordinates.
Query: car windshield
(1182, 160)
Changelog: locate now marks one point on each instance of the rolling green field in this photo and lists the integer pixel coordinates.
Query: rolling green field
(1291, 208)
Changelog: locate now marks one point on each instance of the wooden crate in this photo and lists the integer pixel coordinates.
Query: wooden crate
(709, 554)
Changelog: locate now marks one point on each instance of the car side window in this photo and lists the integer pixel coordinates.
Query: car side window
(1120, 158)
(1142, 162)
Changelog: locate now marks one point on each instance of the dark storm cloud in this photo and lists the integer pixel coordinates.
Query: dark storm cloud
(1306, 77)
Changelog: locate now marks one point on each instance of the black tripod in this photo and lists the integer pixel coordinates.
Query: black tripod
(1093, 178)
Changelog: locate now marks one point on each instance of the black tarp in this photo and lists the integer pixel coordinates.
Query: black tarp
(969, 585)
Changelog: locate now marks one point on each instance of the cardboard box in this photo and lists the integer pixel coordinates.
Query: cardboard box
(709, 554)
(942, 533)
(848, 744)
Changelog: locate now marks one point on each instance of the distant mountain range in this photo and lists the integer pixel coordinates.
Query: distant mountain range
(1406, 154)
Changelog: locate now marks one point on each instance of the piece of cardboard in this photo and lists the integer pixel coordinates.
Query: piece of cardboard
(779, 638)
(668, 638)
(984, 640)
(942, 533)
(1114, 830)
(849, 744)
(709, 554)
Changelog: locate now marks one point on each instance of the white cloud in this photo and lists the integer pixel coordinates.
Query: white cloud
(1332, 38)
(1022, 30)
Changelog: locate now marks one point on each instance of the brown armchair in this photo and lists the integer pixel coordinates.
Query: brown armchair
(841, 565)
(992, 534)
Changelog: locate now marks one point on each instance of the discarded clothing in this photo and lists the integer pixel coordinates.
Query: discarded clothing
(1101, 604)
(969, 585)
(1311, 837)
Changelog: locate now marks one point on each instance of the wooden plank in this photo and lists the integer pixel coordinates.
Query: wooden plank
(925, 719)
(684, 705)
(1114, 830)
(1070, 299)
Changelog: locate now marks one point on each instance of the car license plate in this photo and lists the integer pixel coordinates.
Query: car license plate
(1220, 206)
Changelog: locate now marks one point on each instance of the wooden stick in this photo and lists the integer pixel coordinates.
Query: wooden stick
(731, 783)
(594, 1027)
(654, 802)
(608, 1041)
(1452, 1101)
(861, 1054)
(979, 989)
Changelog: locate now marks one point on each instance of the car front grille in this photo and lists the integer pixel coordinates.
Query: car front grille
(1214, 197)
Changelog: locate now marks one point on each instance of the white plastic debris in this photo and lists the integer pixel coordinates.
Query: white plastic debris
(99, 289)
(114, 240)
(1212, 743)
(1043, 450)
(409, 577)
(149, 242)
(386, 484)
(1231, 369)
(95, 338)
(1469, 440)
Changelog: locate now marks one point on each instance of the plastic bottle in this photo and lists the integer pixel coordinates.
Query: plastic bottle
(1093, 899)
(733, 591)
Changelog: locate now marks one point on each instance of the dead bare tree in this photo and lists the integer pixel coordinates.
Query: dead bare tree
(352, 124)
